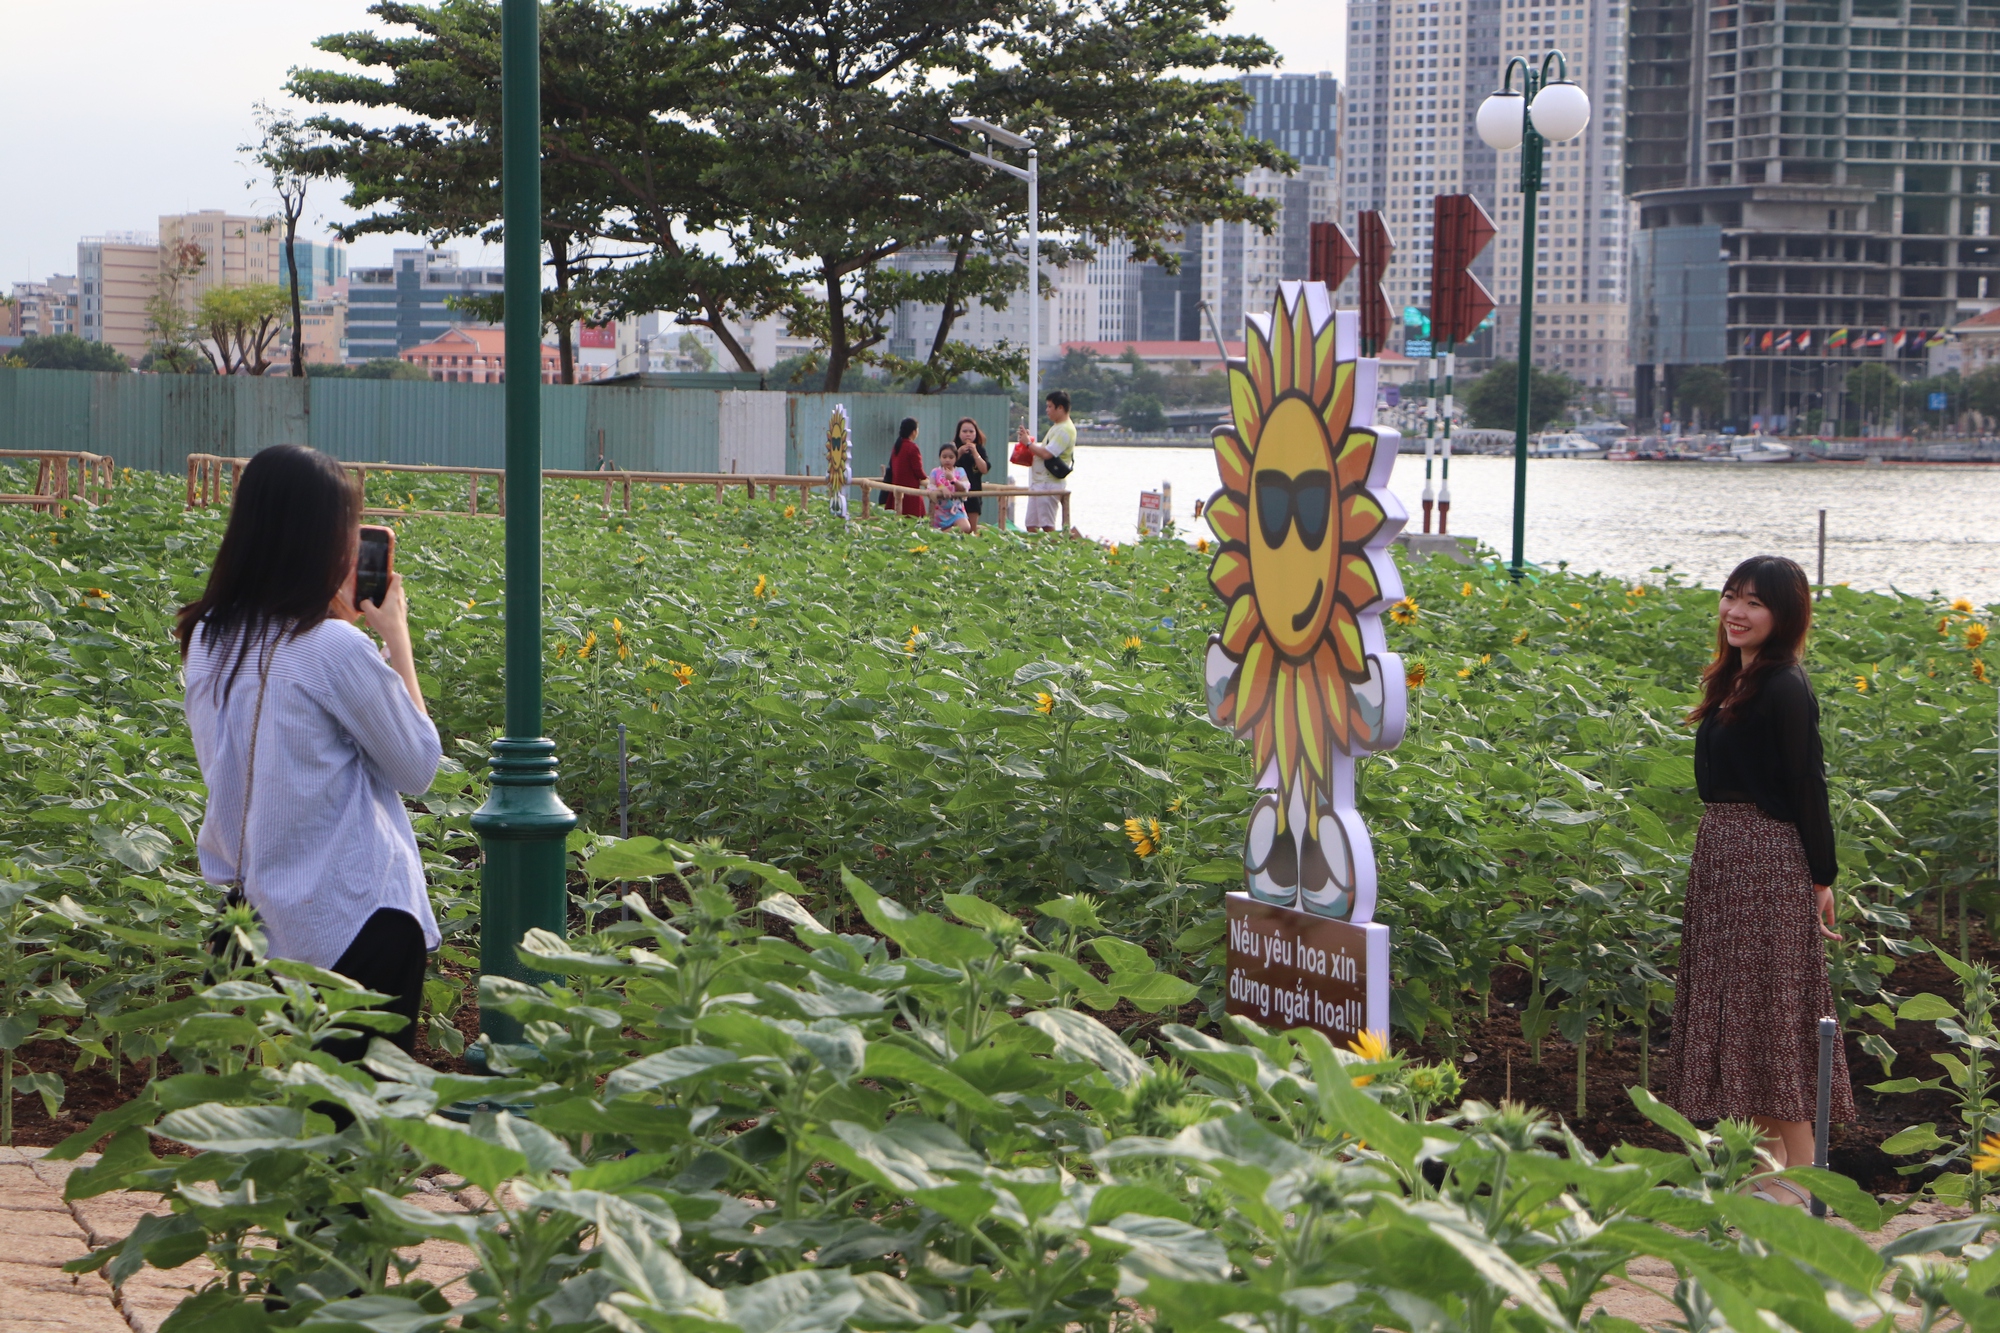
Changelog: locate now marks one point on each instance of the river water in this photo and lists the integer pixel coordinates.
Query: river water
(1918, 528)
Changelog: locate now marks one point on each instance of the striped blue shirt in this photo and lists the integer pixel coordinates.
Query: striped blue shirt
(328, 840)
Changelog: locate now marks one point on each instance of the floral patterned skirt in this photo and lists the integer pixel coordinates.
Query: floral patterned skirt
(1752, 985)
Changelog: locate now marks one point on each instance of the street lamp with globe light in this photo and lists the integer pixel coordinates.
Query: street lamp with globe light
(1545, 109)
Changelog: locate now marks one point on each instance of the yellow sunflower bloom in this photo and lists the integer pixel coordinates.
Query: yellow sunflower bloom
(1416, 675)
(1962, 605)
(920, 548)
(1404, 612)
(1987, 1159)
(682, 673)
(1148, 837)
(1944, 624)
(1975, 634)
(589, 642)
(1133, 643)
(1466, 591)
(1465, 673)
(1201, 545)
(1978, 670)
(791, 511)
(1520, 638)
(1373, 1047)
(1045, 703)
(1861, 684)
(763, 588)
(1636, 590)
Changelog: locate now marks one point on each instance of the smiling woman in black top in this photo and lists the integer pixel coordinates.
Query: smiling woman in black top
(1752, 985)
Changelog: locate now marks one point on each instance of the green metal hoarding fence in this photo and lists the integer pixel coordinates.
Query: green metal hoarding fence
(153, 422)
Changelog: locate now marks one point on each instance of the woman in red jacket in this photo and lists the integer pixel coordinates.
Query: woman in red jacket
(906, 468)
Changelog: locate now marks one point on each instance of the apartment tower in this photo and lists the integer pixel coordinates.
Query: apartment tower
(1418, 70)
(117, 274)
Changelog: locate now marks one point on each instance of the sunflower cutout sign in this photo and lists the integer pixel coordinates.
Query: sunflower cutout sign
(839, 468)
(1300, 668)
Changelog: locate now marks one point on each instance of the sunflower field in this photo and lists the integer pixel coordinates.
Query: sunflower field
(1011, 720)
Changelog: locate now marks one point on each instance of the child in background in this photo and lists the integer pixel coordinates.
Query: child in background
(948, 488)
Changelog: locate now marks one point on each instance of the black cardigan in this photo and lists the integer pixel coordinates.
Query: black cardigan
(1771, 755)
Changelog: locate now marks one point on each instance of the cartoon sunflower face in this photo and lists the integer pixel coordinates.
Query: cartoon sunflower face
(1300, 669)
(1291, 507)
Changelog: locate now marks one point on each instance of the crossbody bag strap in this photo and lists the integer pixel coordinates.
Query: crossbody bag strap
(250, 767)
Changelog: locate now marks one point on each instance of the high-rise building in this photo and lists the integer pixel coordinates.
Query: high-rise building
(1242, 265)
(322, 269)
(1583, 222)
(117, 274)
(1417, 72)
(1808, 173)
(913, 327)
(238, 250)
(405, 305)
(1298, 113)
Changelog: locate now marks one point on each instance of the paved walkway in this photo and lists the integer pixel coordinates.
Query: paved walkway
(39, 1233)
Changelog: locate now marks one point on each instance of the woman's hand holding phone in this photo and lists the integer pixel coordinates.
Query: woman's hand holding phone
(390, 619)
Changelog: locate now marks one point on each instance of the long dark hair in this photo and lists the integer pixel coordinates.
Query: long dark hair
(283, 556)
(1782, 587)
(908, 430)
(978, 435)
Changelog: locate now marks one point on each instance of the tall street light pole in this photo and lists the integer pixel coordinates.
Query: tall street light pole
(523, 824)
(1544, 110)
(1033, 176)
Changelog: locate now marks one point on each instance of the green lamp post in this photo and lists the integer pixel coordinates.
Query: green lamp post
(523, 825)
(1544, 110)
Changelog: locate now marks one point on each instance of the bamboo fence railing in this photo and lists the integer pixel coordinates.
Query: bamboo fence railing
(205, 485)
(95, 474)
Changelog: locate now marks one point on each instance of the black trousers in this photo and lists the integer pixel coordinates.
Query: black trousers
(387, 955)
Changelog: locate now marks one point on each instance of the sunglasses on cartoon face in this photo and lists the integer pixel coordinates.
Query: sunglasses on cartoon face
(1306, 499)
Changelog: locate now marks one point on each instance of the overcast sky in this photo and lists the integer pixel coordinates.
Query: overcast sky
(116, 111)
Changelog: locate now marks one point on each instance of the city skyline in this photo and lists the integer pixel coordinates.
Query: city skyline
(169, 142)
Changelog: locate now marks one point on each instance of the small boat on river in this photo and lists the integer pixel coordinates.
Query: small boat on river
(1564, 445)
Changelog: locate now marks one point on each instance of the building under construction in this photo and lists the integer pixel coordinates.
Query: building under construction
(1813, 183)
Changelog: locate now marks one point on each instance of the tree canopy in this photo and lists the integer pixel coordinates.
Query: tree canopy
(1490, 402)
(1702, 394)
(239, 326)
(725, 160)
(66, 351)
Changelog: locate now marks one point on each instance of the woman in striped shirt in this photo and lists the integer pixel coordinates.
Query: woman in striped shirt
(306, 733)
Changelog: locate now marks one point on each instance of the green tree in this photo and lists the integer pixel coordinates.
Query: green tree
(438, 175)
(66, 351)
(290, 154)
(239, 326)
(1701, 395)
(1142, 412)
(628, 148)
(172, 350)
(1982, 392)
(697, 351)
(1491, 398)
(1873, 391)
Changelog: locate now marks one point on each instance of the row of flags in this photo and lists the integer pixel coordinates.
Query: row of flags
(1892, 341)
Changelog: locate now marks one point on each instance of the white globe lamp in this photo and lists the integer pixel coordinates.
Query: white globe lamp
(1500, 120)
(1561, 111)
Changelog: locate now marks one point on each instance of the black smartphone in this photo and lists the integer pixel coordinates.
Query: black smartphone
(371, 567)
